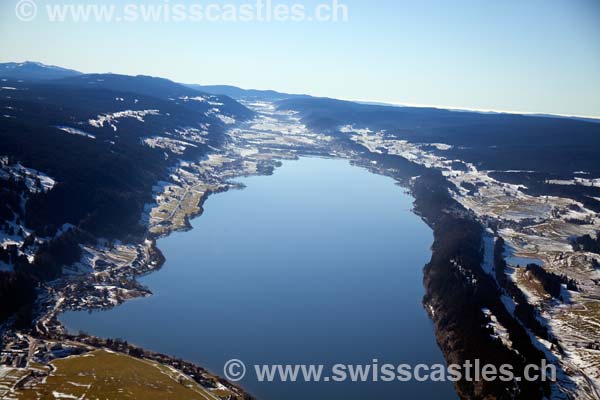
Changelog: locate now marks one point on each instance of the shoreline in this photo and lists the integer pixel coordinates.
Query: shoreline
(175, 248)
(154, 249)
(49, 327)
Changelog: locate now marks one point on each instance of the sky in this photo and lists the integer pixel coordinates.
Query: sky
(540, 56)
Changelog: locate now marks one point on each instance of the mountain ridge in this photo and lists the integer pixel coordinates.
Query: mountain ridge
(33, 70)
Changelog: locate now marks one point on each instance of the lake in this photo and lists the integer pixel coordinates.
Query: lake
(320, 263)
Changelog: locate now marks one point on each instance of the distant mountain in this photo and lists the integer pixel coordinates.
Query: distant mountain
(247, 94)
(575, 117)
(141, 84)
(161, 88)
(30, 71)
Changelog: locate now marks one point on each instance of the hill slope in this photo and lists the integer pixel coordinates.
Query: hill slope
(30, 70)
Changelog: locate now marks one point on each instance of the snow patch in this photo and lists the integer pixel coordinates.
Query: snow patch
(74, 131)
(112, 119)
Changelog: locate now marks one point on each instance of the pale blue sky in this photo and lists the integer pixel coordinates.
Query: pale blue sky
(525, 55)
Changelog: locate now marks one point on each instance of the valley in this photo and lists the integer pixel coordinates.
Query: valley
(162, 157)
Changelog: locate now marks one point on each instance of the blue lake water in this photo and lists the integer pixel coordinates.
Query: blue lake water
(320, 263)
